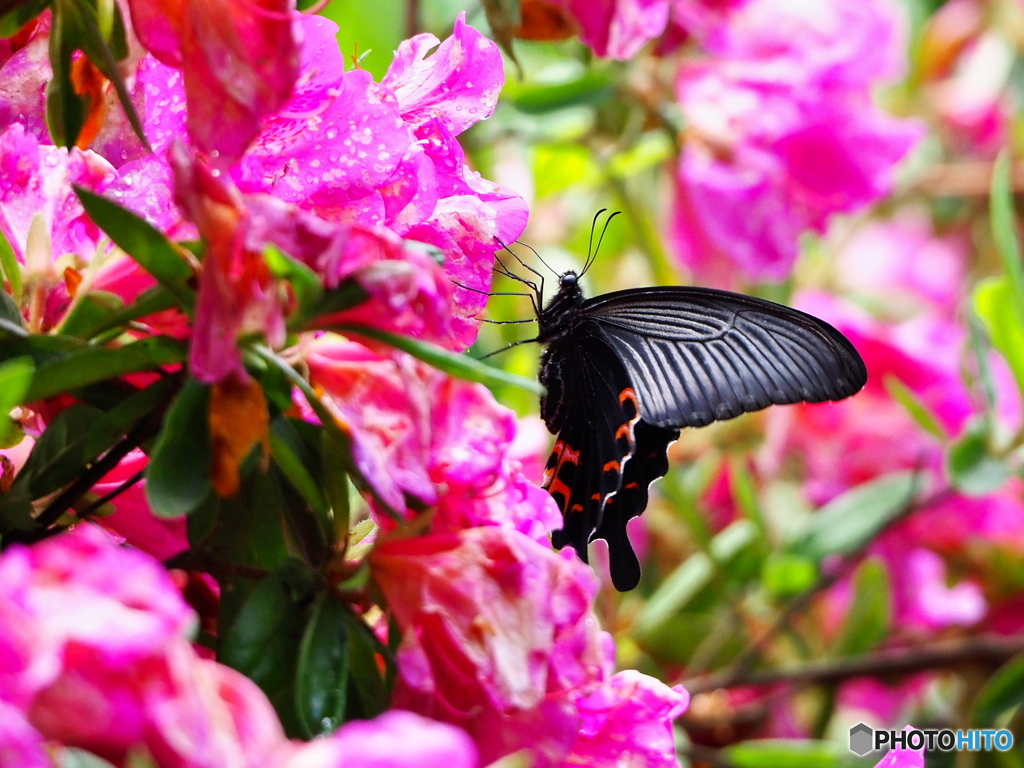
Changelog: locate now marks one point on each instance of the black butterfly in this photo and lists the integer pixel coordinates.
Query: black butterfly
(625, 371)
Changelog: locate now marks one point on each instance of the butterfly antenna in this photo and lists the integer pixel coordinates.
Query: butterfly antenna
(488, 293)
(522, 263)
(539, 257)
(604, 229)
(510, 274)
(506, 349)
(590, 242)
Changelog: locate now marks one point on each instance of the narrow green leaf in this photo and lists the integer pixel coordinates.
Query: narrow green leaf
(742, 486)
(993, 304)
(141, 241)
(870, 616)
(178, 475)
(65, 110)
(154, 300)
(1004, 232)
(287, 451)
(781, 753)
(263, 639)
(847, 523)
(1002, 692)
(590, 88)
(72, 757)
(116, 422)
(96, 47)
(693, 575)
(366, 680)
(917, 408)
(323, 668)
(971, 467)
(90, 311)
(14, 20)
(10, 269)
(460, 366)
(10, 313)
(93, 364)
(303, 280)
(58, 457)
(15, 379)
(788, 575)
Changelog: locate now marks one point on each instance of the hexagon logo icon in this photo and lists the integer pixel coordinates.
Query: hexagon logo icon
(860, 739)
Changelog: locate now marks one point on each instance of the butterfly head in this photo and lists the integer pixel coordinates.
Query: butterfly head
(568, 281)
(562, 312)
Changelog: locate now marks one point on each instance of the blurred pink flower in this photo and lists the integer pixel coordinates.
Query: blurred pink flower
(902, 758)
(874, 263)
(96, 655)
(782, 132)
(235, 72)
(419, 433)
(395, 739)
(21, 745)
(618, 29)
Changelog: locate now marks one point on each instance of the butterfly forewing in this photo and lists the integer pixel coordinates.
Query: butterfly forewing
(697, 355)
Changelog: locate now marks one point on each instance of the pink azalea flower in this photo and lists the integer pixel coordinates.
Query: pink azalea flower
(418, 433)
(498, 637)
(20, 743)
(782, 133)
(395, 739)
(97, 656)
(628, 721)
(351, 150)
(902, 758)
(235, 72)
(617, 29)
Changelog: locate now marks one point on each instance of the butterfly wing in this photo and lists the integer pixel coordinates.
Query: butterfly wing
(592, 407)
(698, 355)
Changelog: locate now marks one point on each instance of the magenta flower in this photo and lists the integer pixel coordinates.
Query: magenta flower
(616, 29)
(782, 133)
(419, 433)
(235, 71)
(352, 150)
(902, 758)
(498, 637)
(628, 721)
(96, 655)
(20, 743)
(395, 739)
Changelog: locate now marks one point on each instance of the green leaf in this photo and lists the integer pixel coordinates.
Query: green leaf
(993, 304)
(263, 640)
(1003, 691)
(847, 523)
(72, 757)
(10, 269)
(459, 366)
(323, 668)
(15, 379)
(293, 458)
(65, 110)
(337, 487)
(1004, 233)
(917, 408)
(591, 87)
(782, 753)
(870, 616)
(90, 311)
(303, 280)
(346, 296)
(366, 682)
(693, 575)
(58, 457)
(25, 10)
(971, 468)
(145, 244)
(104, 50)
(788, 575)
(116, 422)
(178, 475)
(89, 365)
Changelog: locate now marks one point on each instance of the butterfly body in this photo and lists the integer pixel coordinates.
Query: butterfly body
(626, 371)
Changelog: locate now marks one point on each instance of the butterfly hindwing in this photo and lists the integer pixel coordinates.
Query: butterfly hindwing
(699, 355)
(648, 462)
(595, 439)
